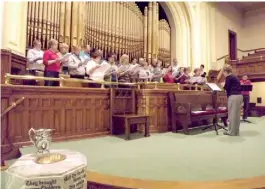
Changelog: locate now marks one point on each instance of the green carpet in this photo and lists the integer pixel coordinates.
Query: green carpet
(170, 156)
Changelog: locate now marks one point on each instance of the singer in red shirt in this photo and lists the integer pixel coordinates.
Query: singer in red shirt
(168, 78)
(245, 81)
(52, 63)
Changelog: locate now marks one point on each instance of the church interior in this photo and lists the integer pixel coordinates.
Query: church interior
(128, 95)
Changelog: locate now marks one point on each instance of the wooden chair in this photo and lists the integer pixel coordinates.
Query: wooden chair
(122, 107)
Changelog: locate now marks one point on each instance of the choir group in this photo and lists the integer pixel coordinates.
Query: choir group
(89, 64)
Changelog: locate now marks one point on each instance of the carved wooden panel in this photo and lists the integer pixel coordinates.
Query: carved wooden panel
(73, 114)
(155, 104)
(254, 69)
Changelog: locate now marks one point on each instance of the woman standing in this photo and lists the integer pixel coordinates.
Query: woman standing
(235, 99)
(77, 68)
(123, 71)
(52, 63)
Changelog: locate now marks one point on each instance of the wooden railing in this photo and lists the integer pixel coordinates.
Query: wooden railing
(65, 82)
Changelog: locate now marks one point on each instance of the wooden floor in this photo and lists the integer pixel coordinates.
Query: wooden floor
(101, 181)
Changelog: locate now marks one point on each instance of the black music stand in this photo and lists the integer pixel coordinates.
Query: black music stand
(246, 88)
(215, 88)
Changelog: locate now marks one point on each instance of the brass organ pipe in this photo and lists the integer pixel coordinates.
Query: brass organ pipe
(53, 20)
(87, 13)
(123, 28)
(108, 29)
(29, 24)
(67, 23)
(36, 17)
(149, 32)
(157, 27)
(105, 28)
(113, 26)
(140, 31)
(100, 28)
(154, 31)
(96, 23)
(145, 32)
(91, 24)
(80, 23)
(44, 26)
(74, 23)
(127, 29)
(39, 21)
(48, 29)
(117, 32)
(58, 20)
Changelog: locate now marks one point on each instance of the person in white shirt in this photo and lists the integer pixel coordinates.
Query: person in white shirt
(197, 78)
(145, 73)
(112, 73)
(94, 64)
(77, 68)
(175, 66)
(35, 58)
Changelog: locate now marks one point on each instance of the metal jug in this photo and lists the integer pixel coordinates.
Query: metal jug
(41, 138)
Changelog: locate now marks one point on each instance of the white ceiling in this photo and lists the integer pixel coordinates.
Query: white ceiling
(247, 6)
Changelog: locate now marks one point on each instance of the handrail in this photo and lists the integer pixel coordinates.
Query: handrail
(61, 80)
(240, 50)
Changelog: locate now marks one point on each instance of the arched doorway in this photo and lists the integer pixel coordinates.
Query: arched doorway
(179, 17)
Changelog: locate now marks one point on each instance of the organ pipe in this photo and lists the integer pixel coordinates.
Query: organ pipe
(149, 25)
(145, 32)
(118, 27)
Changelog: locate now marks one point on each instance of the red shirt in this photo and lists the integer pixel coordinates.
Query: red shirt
(245, 82)
(50, 55)
(168, 78)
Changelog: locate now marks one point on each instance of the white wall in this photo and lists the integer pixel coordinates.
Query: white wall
(226, 18)
(253, 33)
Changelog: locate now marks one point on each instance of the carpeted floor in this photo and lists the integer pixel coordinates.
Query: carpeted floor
(202, 156)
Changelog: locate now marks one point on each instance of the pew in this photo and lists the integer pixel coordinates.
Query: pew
(193, 107)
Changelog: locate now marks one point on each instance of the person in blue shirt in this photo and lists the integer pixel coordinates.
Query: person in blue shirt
(85, 53)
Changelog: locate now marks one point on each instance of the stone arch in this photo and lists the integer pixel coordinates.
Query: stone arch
(180, 20)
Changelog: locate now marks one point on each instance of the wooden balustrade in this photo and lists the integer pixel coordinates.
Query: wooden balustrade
(74, 112)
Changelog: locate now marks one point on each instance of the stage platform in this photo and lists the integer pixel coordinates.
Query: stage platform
(174, 160)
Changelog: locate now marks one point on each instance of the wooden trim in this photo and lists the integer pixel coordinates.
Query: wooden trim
(108, 181)
(103, 181)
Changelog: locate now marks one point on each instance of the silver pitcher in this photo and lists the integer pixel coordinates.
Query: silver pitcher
(41, 138)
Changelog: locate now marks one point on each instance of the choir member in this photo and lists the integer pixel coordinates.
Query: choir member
(235, 98)
(94, 64)
(156, 71)
(145, 74)
(52, 62)
(134, 61)
(123, 71)
(245, 81)
(112, 74)
(64, 49)
(85, 53)
(168, 75)
(197, 78)
(175, 65)
(77, 68)
(35, 58)
(185, 77)
(202, 72)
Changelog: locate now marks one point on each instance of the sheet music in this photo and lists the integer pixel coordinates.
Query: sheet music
(65, 57)
(101, 71)
(214, 87)
(133, 67)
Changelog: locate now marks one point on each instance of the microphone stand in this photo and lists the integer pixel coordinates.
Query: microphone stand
(13, 151)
